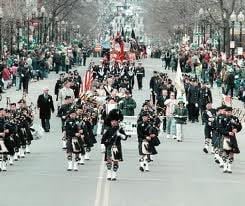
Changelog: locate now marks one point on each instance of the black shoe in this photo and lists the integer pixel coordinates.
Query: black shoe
(113, 179)
(205, 150)
(141, 169)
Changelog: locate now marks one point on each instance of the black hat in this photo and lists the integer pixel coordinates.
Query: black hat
(22, 101)
(67, 97)
(115, 114)
(12, 104)
(1, 109)
(144, 113)
(228, 109)
(155, 72)
(221, 107)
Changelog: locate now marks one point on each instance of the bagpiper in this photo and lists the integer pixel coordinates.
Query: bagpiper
(112, 141)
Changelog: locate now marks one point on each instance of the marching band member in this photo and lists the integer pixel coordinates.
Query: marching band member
(112, 141)
(230, 145)
(143, 126)
(208, 119)
(72, 145)
(63, 113)
(217, 134)
(3, 148)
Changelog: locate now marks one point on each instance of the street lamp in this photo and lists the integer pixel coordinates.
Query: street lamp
(34, 13)
(42, 12)
(62, 38)
(57, 29)
(233, 18)
(199, 27)
(78, 30)
(1, 17)
(241, 18)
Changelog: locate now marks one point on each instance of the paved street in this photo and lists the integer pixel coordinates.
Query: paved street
(181, 174)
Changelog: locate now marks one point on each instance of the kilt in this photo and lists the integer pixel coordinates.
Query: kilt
(73, 146)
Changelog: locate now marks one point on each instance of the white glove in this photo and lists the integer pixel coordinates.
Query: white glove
(196, 104)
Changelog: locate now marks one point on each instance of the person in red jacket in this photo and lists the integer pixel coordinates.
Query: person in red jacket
(6, 76)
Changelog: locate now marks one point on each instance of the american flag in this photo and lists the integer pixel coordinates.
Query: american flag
(86, 82)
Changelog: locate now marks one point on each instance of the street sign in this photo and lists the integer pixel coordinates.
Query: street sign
(240, 50)
(232, 44)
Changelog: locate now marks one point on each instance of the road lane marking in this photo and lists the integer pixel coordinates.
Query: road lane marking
(98, 197)
(107, 188)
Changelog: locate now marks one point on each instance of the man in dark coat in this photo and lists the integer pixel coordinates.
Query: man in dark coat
(45, 105)
(193, 100)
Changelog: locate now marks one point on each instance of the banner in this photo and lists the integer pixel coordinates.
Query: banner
(129, 124)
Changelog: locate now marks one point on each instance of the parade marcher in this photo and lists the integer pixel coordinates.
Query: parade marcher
(112, 141)
(154, 86)
(170, 121)
(208, 119)
(3, 148)
(72, 135)
(63, 114)
(205, 96)
(46, 106)
(65, 91)
(25, 77)
(217, 134)
(161, 107)
(142, 131)
(10, 138)
(140, 74)
(167, 60)
(230, 145)
(84, 57)
(24, 118)
(58, 85)
(127, 105)
(147, 139)
(180, 116)
(193, 101)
